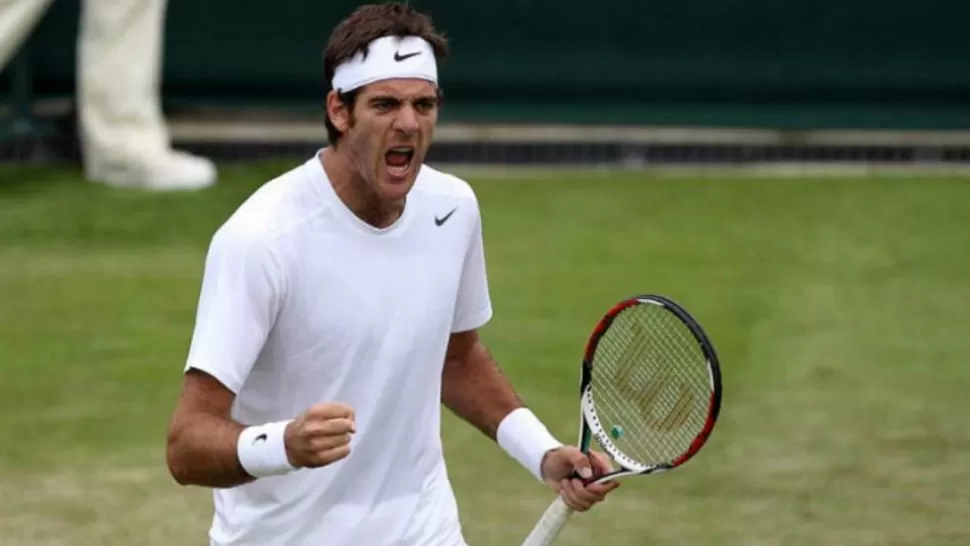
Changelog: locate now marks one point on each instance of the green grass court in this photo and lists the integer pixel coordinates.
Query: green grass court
(839, 307)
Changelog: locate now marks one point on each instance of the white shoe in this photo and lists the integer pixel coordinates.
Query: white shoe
(174, 171)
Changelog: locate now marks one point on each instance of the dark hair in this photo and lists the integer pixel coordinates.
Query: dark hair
(366, 24)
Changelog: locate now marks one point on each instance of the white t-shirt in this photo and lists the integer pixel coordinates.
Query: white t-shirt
(302, 302)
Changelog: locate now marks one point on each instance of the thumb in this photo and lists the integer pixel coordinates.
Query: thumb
(581, 464)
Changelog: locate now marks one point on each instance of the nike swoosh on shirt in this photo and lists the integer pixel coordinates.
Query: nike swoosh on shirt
(443, 219)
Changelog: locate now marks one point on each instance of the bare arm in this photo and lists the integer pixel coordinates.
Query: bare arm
(475, 389)
(473, 385)
(202, 437)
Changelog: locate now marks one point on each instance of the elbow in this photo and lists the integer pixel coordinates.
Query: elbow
(174, 455)
(181, 477)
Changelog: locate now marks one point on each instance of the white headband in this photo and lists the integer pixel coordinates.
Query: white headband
(387, 57)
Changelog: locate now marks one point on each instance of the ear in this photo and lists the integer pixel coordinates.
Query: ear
(338, 112)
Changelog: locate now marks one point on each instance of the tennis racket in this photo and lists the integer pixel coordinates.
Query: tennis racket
(650, 395)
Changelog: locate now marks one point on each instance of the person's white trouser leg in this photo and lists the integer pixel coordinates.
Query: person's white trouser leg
(17, 20)
(124, 137)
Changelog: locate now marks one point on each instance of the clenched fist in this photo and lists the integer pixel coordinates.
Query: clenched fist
(320, 436)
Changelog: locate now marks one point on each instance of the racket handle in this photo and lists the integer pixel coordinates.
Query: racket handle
(549, 526)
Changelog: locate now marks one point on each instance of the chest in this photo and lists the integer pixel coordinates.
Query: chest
(371, 297)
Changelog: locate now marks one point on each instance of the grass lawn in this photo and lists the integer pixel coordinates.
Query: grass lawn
(838, 307)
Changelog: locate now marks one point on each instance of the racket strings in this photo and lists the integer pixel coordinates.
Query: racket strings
(615, 408)
(649, 416)
(650, 384)
(632, 401)
(693, 373)
(684, 367)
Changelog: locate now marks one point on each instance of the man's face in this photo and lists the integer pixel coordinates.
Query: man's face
(389, 132)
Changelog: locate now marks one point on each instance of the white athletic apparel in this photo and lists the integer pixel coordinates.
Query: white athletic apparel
(119, 55)
(302, 303)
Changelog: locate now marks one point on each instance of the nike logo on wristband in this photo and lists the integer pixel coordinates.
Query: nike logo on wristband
(260, 438)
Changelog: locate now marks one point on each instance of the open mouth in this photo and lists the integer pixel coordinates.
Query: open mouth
(398, 160)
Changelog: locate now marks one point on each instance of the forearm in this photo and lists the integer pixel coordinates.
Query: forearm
(476, 390)
(202, 450)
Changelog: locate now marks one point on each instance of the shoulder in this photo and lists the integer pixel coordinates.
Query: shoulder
(276, 208)
(449, 195)
(280, 205)
(434, 182)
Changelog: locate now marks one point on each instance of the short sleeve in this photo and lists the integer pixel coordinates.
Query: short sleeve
(473, 308)
(238, 304)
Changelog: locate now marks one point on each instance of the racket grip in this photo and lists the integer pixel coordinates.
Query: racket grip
(552, 522)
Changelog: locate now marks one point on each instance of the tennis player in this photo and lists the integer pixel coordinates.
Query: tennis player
(338, 311)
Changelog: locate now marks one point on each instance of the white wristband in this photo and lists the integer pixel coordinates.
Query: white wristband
(523, 436)
(262, 451)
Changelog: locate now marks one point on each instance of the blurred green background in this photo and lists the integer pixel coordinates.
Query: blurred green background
(829, 268)
(837, 305)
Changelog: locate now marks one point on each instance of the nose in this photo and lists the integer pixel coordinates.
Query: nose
(407, 120)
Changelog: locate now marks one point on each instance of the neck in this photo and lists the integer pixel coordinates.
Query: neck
(356, 193)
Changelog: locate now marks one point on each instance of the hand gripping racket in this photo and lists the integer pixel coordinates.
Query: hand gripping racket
(650, 394)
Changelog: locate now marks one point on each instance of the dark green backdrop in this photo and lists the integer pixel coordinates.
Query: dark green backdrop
(783, 63)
